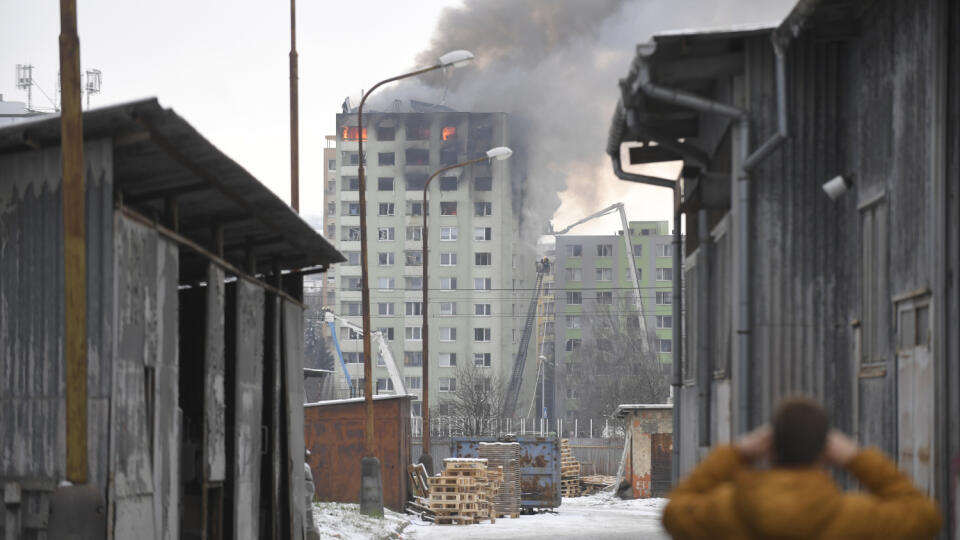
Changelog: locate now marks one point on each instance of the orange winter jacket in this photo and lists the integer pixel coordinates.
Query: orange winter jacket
(725, 499)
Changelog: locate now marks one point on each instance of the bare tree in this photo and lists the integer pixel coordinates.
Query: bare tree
(614, 365)
(478, 399)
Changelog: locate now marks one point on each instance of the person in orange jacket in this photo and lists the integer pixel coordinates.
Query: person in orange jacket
(729, 495)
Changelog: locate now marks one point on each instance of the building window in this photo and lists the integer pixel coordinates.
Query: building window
(874, 293)
(351, 283)
(482, 309)
(413, 283)
(416, 409)
(483, 233)
(482, 259)
(664, 298)
(448, 384)
(448, 183)
(331, 208)
(574, 298)
(664, 250)
(385, 233)
(664, 274)
(645, 232)
(482, 284)
(331, 164)
(415, 182)
(448, 283)
(483, 209)
(574, 250)
(385, 308)
(412, 333)
(448, 309)
(412, 383)
(349, 334)
(385, 184)
(448, 234)
(351, 309)
(352, 133)
(481, 334)
(385, 209)
(573, 321)
(664, 321)
(386, 158)
(413, 309)
(415, 234)
(573, 274)
(448, 259)
(448, 208)
(331, 230)
(412, 358)
(605, 274)
(387, 334)
(351, 183)
(605, 297)
(418, 129)
(351, 209)
(384, 385)
(448, 156)
(353, 258)
(385, 283)
(482, 359)
(413, 258)
(638, 250)
(447, 359)
(418, 156)
(386, 134)
(448, 334)
(350, 158)
(665, 345)
(572, 344)
(352, 358)
(604, 250)
(414, 208)
(483, 183)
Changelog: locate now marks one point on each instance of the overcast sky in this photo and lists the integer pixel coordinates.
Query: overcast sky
(223, 66)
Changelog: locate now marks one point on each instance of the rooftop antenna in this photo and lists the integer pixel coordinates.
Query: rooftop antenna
(94, 79)
(25, 82)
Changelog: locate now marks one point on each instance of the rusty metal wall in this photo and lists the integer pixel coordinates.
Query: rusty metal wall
(539, 467)
(334, 435)
(32, 439)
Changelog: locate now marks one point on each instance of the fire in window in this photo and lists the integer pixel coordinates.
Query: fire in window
(352, 133)
(448, 133)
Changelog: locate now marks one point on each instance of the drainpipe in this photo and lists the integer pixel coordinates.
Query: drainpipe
(677, 382)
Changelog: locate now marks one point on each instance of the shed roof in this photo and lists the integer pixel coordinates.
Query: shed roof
(159, 157)
(627, 408)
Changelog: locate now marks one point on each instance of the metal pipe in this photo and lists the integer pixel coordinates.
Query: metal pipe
(639, 178)
(703, 327)
(782, 133)
(744, 329)
(74, 246)
(677, 332)
(294, 113)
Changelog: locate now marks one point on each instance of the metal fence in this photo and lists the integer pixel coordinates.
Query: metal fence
(448, 426)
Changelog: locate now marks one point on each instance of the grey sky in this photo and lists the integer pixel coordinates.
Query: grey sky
(224, 67)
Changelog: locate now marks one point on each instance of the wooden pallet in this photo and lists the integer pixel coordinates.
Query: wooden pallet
(463, 493)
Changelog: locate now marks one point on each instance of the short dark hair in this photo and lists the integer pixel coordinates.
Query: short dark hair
(800, 428)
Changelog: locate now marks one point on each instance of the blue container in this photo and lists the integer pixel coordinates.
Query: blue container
(539, 467)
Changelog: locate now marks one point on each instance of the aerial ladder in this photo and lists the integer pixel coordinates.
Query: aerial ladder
(332, 318)
(516, 378)
(634, 276)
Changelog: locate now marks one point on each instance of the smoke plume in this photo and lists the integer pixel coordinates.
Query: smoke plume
(554, 65)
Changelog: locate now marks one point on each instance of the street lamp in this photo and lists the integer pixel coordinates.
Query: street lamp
(371, 491)
(499, 153)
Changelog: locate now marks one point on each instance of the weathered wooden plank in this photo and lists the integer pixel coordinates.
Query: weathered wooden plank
(213, 388)
(247, 405)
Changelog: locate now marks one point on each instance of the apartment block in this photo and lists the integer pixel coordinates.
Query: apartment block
(475, 262)
(593, 279)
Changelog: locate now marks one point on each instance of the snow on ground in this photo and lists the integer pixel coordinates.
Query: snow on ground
(596, 516)
(344, 522)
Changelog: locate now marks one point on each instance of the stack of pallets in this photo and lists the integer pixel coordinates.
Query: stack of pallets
(569, 471)
(463, 493)
(420, 489)
(507, 457)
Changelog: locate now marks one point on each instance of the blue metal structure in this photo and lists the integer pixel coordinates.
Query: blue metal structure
(539, 467)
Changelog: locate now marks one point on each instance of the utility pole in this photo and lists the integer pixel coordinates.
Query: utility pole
(294, 113)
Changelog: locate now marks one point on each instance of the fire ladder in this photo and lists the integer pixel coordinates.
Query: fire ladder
(516, 379)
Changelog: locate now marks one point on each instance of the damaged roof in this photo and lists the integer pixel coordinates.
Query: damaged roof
(159, 157)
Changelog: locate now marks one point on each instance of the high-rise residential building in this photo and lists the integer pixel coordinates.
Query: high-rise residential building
(592, 281)
(476, 262)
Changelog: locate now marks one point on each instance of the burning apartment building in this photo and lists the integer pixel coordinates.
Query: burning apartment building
(478, 268)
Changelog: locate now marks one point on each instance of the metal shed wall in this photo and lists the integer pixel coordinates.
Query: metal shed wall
(32, 440)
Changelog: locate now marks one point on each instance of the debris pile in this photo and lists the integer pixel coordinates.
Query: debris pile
(420, 489)
(464, 492)
(596, 483)
(569, 471)
(505, 456)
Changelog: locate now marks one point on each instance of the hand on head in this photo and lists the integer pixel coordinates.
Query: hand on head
(755, 445)
(840, 449)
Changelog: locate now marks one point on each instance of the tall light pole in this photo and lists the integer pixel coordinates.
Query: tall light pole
(294, 113)
(371, 491)
(498, 153)
(543, 388)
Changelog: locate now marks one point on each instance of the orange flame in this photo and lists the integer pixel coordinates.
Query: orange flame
(448, 132)
(352, 133)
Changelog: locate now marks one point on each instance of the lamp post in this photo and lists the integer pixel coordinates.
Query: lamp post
(499, 153)
(371, 490)
(543, 388)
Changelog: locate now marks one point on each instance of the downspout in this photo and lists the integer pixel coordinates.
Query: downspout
(677, 382)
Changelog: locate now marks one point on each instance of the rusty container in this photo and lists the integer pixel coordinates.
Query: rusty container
(333, 432)
(539, 467)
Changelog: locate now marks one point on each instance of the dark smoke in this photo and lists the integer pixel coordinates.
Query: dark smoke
(554, 65)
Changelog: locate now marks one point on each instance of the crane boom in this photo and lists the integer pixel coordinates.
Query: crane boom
(329, 316)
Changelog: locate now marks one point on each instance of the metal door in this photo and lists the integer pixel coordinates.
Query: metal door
(661, 463)
(915, 391)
